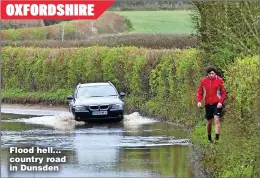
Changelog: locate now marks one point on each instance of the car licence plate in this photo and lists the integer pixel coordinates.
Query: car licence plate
(98, 113)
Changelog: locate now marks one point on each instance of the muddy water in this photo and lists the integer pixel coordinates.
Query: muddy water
(135, 147)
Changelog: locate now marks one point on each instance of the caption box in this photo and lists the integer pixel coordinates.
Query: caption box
(35, 159)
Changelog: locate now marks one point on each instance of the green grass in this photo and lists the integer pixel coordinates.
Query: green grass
(159, 21)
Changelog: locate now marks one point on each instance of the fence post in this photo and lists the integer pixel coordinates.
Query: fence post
(62, 34)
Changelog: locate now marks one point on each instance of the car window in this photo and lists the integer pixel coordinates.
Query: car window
(97, 91)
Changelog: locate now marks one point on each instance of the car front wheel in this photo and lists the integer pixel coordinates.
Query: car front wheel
(76, 118)
(119, 119)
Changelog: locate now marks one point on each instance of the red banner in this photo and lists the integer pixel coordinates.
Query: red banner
(53, 10)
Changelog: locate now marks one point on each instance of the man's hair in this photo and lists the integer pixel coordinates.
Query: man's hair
(211, 68)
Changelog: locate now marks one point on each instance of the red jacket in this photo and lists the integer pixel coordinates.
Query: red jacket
(213, 90)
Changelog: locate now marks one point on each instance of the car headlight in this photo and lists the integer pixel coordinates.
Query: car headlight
(80, 108)
(117, 106)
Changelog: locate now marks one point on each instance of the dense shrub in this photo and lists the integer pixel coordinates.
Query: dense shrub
(228, 30)
(155, 41)
(147, 76)
(173, 85)
(151, 5)
(15, 24)
(52, 22)
(243, 81)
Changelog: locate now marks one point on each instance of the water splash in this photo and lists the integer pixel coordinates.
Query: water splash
(135, 120)
(64, 121)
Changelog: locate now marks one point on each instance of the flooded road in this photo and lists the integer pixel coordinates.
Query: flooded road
(135, 147)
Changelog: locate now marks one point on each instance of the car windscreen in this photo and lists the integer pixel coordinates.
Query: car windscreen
(97, 91)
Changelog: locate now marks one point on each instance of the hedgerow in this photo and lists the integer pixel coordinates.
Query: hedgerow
(146, 75)
(155, 41)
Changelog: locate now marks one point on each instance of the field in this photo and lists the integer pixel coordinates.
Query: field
(177, 22)
(151, 29)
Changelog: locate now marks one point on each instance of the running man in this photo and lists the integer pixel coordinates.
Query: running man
(212, 88)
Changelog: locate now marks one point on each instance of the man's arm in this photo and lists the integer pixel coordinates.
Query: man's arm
(199, 95)
(223, 92)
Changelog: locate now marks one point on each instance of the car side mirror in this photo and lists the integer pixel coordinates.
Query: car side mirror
(122, 94)
(70, 97)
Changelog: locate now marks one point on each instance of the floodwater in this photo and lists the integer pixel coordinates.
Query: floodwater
(135, 147)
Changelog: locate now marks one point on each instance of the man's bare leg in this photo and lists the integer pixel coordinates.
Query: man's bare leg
(209, 128)
(217, 127)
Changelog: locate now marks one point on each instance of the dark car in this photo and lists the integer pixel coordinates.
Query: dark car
(96, 101)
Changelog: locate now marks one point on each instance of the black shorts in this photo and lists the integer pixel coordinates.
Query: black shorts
(212, 110)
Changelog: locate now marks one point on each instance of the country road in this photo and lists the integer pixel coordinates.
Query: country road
(135, 147)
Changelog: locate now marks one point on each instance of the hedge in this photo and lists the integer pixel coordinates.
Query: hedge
(154, 41)
(149, 77)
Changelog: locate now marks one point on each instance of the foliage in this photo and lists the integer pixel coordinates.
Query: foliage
(15, 24)
(151, 5)
(244, 98)
(52, 22)
(228, 30)
(155, 41)
(173, 85)
(25, 97)
(147, 76)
